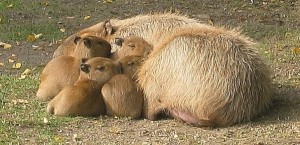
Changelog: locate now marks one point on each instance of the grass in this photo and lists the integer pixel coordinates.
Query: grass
(23, 116)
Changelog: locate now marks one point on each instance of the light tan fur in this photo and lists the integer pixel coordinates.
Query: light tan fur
(84, 97)
(151, 27)
(64, 70)
(205, 76)
(121, 95)
(131, 46)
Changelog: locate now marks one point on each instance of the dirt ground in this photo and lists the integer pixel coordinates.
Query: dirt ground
(279, 126)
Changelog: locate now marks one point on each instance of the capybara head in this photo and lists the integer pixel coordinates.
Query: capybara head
(130, 65)
(92, 46)
(98, 69)
(133, 45)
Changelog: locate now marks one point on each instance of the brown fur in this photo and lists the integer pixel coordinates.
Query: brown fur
(205, 76)
(64, 70)
(131, 46)
(152, 27)
(103, 30)
(84, 97)
(120, 94)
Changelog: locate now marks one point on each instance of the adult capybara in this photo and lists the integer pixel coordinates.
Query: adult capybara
(131, 46)
(64, 70)
(121, 95)
(152, 27)
(205, 76)
(84, 97)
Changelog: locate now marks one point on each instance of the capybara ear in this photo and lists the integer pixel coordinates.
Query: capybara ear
(83, 60)
(84, 67)
(108, 28)
(76, 39)
(119, 41)
(87, 42)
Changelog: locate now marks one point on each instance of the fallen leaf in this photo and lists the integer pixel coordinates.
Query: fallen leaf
(25, 74)
(5, 45)
(31, 38)
(107, 1)
(45, 120)
(10, 6)
(11, 60)
(13, 55)
(116, 130)
(17, 65)
(296, 51)
(62, 30)
(2, 64)
(57, 138)
(45, 3)
(36, 36)
(86, 17)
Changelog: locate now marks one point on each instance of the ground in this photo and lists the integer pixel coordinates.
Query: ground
(273, 24)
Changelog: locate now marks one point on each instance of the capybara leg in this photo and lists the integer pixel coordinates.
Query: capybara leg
(151, 112)
(189, 118)
(50, 109)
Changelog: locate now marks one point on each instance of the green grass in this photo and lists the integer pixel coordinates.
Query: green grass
(22, 116)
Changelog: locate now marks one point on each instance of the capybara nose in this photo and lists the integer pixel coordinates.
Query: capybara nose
(119, 41)
(84, 68)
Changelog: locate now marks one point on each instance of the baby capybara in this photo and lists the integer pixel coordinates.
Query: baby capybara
(121, 95)
(64, 70)
(84, 97)
(131, 45)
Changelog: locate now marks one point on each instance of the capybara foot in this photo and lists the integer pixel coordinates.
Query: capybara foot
(41, 95)
(50, 109)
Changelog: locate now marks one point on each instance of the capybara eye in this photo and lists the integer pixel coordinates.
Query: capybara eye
(84, 68)
(119, 41)
(131, 45)
(101, 68)
(130, 63)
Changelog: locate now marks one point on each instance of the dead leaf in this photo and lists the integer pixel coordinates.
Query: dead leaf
(5, 45)
(57, 138)
(45, 120)
(296, 51)
(25, 74)
(17, 65)
(11, 60)
(107, 1)
(2, 64)
(13, 55)
(86, 17)
(36, 36)
(116, 130)
(10, 6)
(45, 3)
(62, 30)
(31, 38)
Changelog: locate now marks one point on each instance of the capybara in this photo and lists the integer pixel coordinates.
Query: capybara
(121, 95)
(84, 97)
(152, 27)
(103, 29)
(64, 70)
(205, 76)
(131, 46)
